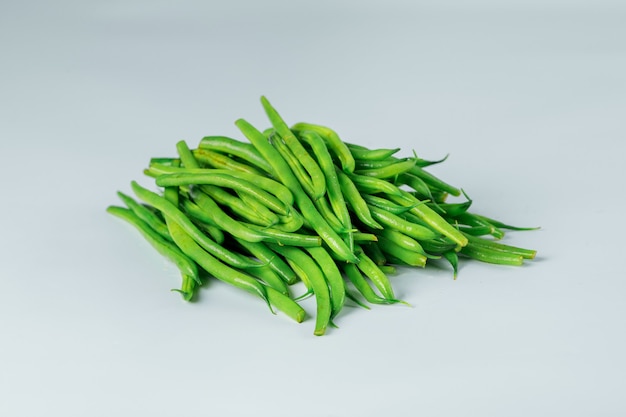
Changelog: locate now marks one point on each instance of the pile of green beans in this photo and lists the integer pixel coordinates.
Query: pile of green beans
(298, 204)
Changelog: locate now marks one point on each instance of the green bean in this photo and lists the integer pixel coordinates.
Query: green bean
(317, 281)
(224, 180)
(323, 207)
(212, 213)
(411, 229)
(474, 230)
(371, 270)
(166, 248)
(501, 225)
(219, 161)
(361, 152)
(296, 167)
(471, 220)
(452, 209)
(417, 184)
(261, 215)
(389, 171)
(270, 278)
(407, 256)
(186, 157)
(150, 218)
(333, 189)
(333, 277)
(401, 239)
(244, 151)
(170, 210)
(484, 254)
(371, 185)
(216, 234)
(374, 164)
(452, 257)
(287, 238)
(354, 297)
(360, 237)
(291, 222)
(500, 247)
(373, 251)
(257, 208)
(266, 255)
(312, 168)
(387, 205)
(388, 269)
(285, 304)
(355, 200)
(433, 181)
(359, 282)
(334, 143)
(307, 208)
(430, 217)
(438, 246)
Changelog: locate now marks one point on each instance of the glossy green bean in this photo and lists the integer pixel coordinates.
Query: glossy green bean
(401, 240)
(484, 254)
(242, 150)
(361, 152)
(385, 204)
(220, 161)
(389, 171)
(333, 142)
(434, 182)
(395, 222)
(186, 157)
(285, 304)
(500, 247)
(287, 238)
(372, 185)
(470, 219)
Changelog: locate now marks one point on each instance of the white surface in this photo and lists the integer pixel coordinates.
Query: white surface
(529, 100)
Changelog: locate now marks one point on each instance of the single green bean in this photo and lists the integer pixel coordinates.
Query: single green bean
(287, 238)
(484, 254)
(371, 270)
(219, 161)
(387, 205)
(371, 185)
(270, 278)
(361, 152)
(361, 284)
(186, 157)
(244, 151)
(296, 167)
(389, 171)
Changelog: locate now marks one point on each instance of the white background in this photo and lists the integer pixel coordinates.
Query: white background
(528, 98)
